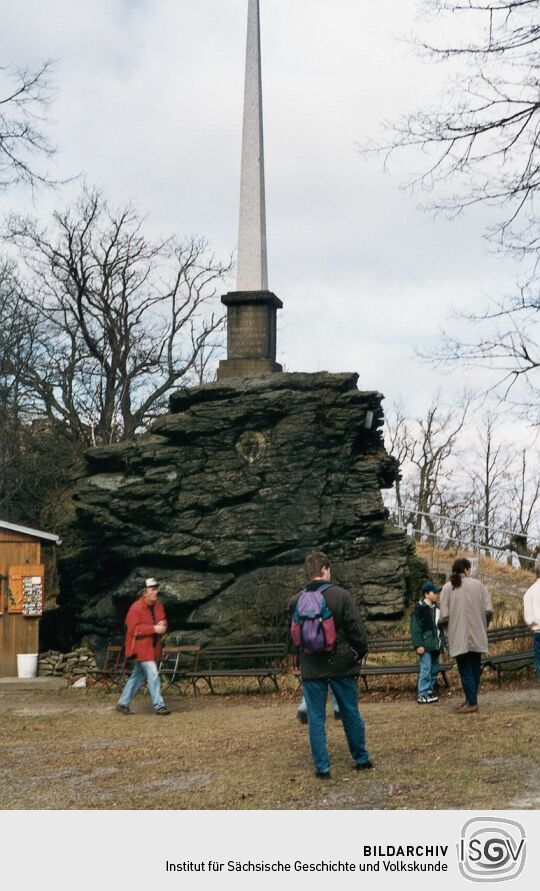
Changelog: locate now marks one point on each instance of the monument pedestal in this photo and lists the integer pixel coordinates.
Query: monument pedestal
(229, 368)
(251, 334)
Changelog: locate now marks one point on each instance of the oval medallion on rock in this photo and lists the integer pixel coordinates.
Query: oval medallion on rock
(252, 446)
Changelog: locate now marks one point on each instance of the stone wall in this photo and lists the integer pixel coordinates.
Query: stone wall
(72, 665)
(222, 500)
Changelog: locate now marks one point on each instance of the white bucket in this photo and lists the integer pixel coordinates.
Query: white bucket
(27, 665)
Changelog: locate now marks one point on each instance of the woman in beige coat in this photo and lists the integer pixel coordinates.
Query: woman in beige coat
(465, 607)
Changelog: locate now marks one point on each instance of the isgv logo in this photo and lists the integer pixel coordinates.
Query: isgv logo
(491, 849)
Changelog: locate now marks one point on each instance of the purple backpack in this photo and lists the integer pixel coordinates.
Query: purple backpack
(312, 627)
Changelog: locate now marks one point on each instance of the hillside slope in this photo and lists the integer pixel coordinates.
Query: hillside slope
(506, 584)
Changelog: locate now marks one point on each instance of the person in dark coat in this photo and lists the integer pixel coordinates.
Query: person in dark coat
(427, 640)
(145, 623)
(337, 669)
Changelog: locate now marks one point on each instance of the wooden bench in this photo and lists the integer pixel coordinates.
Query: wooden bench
(394, 645)
(259, 661)
(113, 671)
(512, 661)
(178, 665)
(500, 662)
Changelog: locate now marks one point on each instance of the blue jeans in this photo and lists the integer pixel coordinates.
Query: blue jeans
(303, 707)
(536, 645)
(469, 671)
(141, 672)
(429, 670)
(346, 695)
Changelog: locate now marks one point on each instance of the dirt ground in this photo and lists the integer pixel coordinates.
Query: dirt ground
(72, 750)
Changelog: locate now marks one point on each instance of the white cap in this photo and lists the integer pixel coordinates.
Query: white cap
(151, 583)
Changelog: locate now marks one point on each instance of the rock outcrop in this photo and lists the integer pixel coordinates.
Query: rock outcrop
(222, 500)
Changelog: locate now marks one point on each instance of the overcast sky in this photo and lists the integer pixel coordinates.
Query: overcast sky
(149, 106)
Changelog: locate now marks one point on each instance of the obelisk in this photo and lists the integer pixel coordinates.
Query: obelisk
(252, 270)
(251, 309)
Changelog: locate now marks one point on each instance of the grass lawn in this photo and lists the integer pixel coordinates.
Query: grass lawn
(72, 750)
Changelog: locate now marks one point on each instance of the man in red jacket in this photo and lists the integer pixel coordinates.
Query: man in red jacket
(145, 623)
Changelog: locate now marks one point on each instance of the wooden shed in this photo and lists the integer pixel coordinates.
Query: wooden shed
(22, 591)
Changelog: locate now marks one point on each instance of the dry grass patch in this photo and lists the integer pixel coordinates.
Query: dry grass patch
(72, 750)
(506, 584)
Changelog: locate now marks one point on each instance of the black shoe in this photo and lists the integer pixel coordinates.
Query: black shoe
(337, 716)
(163, 710)
(365, 765)
(124, 709)
(302, 717)
(323, 776)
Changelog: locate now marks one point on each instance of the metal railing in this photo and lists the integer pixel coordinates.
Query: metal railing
(447, 531)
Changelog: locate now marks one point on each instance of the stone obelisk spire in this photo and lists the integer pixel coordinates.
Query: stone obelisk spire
(252, 262)
(251, 309)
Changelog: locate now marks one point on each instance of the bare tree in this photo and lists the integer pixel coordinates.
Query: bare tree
(426, 448)
(35, 457)
(24, 145)
(484, 135)
(10, 339)
(481, 143)
(505, 337)
(121, 319)
(525, 507)
(399, 443)
(437, 435)
(462, 485)
(488, 471)
(17, 329)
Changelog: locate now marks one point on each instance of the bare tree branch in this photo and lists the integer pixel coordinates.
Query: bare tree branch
(24, 145)
(121, 319)
(484, 139)
(485, 135)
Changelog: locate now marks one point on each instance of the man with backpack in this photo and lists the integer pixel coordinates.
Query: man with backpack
(328, 629)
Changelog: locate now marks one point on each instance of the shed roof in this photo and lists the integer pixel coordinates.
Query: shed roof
(35, 533)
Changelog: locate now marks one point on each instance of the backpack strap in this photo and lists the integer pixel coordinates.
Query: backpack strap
(324, 587)
(321, 588)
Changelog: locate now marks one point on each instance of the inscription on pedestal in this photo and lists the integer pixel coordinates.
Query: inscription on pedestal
(247, 332)
(251, 333)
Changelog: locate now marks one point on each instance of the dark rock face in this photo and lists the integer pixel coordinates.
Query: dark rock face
(224, 498)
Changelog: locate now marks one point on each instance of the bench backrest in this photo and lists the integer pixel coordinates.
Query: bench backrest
(389, 645)
(180, 658)
(404, 644)
(114, 657)
(511, 632)
(244, 655)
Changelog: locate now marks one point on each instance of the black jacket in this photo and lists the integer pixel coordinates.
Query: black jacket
(351, 643)
(424, 630)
